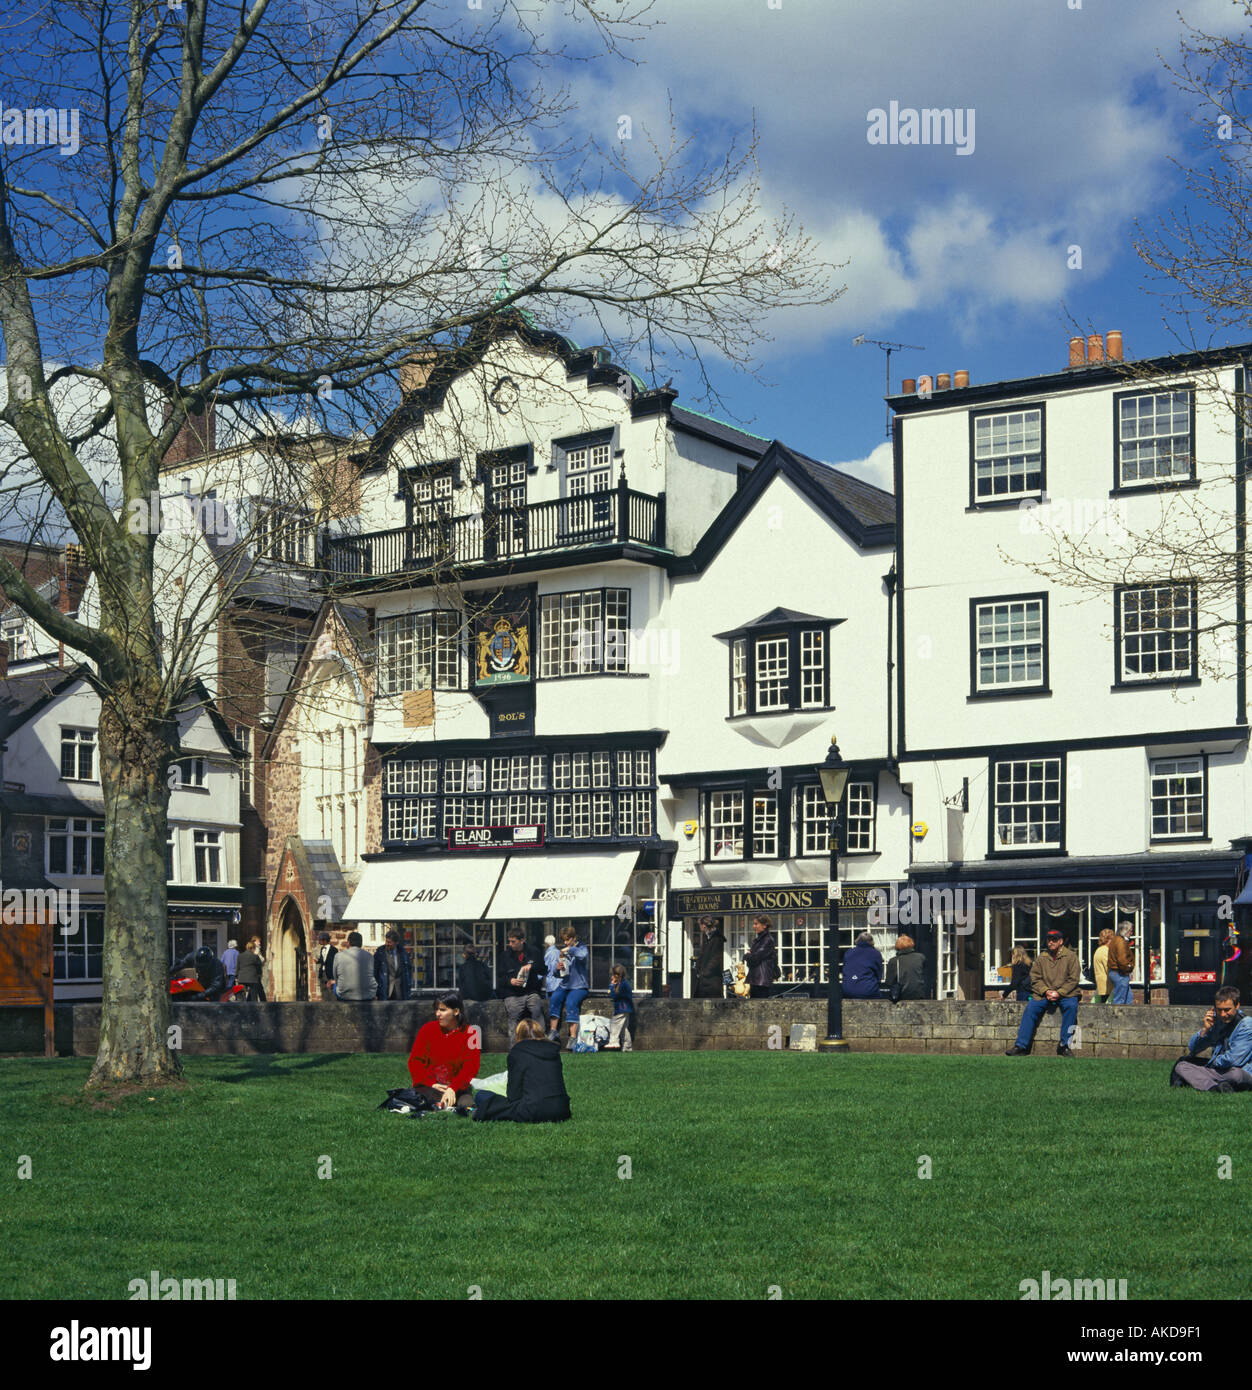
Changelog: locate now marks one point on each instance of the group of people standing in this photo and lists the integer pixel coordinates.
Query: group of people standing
(541, 989)
(864, 976)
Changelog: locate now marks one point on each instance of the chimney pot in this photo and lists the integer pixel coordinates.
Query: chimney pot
(1095, 347)
(1077, 350)
(943, 381)
(961, 379)
(909, 385)
(1115, 345)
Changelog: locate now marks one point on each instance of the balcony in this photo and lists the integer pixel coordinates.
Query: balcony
(619, 516)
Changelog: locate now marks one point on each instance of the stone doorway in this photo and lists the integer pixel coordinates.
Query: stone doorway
(290, 956)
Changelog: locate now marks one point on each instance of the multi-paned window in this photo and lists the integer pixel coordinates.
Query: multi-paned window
(589, 475)
(78, 755)
(576, 794)
(1156, 632)
(1178, 799)
(76, 847)
(811, 819)
(584, 633)
(725, 822)
(189, 772)
(1009, 643)
(858, 806)
(1028, 803)
(79, 956)
(1007, 454)
(243, 737)
(506, 505)
(1154, 437)
(429, 504)
(207, 845)
(13, 631)
(775, 671)
(283, 534)
(420, 651)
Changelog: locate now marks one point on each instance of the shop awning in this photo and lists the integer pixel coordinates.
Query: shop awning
(434, 888)
(563, 885)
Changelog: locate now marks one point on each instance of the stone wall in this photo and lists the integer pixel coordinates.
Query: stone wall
(926, 1026)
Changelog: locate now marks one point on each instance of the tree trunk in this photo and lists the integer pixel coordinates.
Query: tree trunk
(137, 742)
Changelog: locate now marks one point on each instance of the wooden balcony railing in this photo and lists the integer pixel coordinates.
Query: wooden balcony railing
(617, 516)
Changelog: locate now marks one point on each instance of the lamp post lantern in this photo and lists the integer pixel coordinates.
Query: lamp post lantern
(833, 774)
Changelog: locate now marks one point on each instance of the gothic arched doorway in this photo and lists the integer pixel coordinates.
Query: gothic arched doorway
(290, 956)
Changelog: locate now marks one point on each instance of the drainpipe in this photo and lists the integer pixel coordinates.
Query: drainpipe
(889, 579)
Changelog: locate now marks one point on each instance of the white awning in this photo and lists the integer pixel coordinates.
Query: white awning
(563, 885)
(433, 888)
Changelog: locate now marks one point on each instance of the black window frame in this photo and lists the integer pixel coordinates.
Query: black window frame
(1011, 692)
(992, 503)
(538, 655)
(1121, 488)
(1120, 682)
(385, 676)
(997, 851)
(793, 633)
(615, 787)
(1203, 836)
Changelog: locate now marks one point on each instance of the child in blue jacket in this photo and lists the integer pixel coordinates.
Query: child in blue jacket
(623, 1012)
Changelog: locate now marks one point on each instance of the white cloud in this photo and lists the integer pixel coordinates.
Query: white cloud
(875, 468)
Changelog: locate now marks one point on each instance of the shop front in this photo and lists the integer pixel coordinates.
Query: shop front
(799, 917)
(456, 911)
(1173, 907)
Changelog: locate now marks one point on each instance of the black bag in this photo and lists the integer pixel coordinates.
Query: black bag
(407, 1101)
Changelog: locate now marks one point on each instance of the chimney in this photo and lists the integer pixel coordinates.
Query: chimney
(1095, 347)
(415, 370)
(73, 580)
(197, 437)
(943, 381)
(1077, 350)
(961, 379)
(4, 660)
(1115, 345)
(909, 385)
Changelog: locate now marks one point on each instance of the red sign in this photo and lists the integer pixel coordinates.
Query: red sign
(1197, 977)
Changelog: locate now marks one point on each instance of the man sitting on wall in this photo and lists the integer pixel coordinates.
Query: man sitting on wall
(1228, 1031)
(1053, 983)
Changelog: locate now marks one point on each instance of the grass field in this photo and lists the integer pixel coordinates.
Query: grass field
(747, 1170)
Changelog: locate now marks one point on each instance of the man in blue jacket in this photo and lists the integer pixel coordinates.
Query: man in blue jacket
(1228, 1031)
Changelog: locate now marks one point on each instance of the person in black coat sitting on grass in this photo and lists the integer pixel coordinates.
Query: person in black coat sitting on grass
(536, 1092)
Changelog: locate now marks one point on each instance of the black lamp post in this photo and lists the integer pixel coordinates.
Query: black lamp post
(834, 779)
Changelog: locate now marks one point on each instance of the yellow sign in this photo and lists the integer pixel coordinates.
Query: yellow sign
(919, 829)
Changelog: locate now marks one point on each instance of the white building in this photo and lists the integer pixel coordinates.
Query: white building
(1074, 751)
(570, 577)
(52, 816)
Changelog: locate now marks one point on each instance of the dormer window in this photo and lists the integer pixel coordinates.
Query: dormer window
(283, 534)
(779, 663)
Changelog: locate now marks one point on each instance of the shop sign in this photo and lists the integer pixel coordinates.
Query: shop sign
(787, 898)
(495, 837)
(1197, 977)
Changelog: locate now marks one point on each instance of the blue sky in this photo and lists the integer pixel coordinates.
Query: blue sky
(1075, 125)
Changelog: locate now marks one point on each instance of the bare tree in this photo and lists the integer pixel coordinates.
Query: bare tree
(241, 205)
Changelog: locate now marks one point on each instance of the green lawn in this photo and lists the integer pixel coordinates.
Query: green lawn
(747, 1170)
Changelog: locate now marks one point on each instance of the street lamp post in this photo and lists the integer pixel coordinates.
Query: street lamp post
(833, 774)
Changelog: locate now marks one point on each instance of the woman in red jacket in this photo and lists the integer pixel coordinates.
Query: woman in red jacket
(445, 1055)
